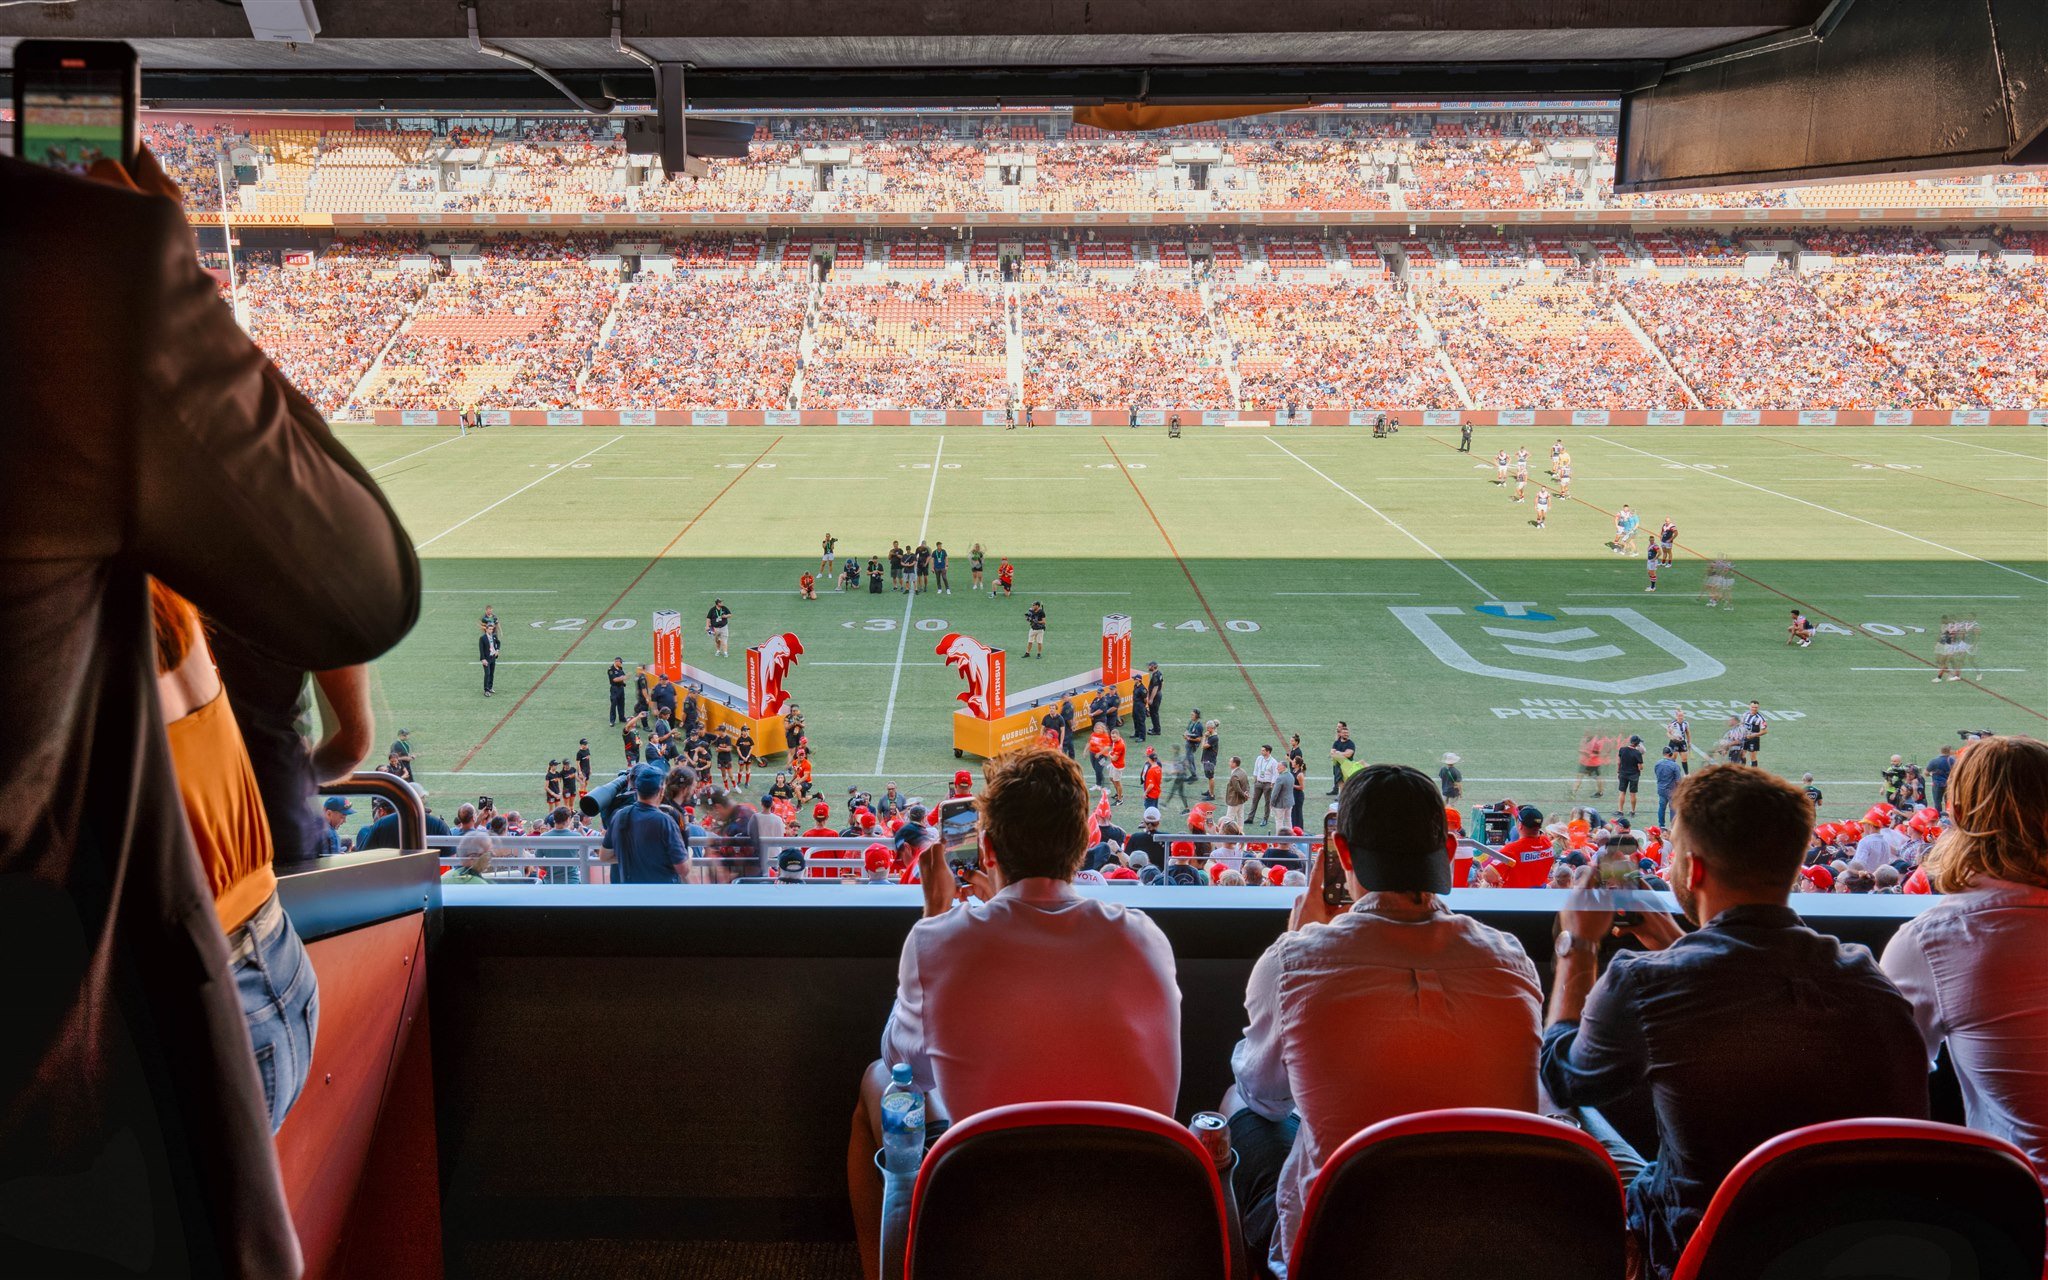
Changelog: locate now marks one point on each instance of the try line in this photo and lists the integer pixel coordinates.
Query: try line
(909, 603)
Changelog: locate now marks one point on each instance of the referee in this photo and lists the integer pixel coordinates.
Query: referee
(1678, 736)
(1754, 727)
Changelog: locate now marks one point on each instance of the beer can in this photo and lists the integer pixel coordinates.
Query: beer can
(1212, 1130)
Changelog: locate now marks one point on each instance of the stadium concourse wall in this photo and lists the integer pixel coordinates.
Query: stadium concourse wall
(1226, 417)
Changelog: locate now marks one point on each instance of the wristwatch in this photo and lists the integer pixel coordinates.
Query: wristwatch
(1567, 944)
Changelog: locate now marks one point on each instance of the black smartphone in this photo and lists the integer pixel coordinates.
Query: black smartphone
(75, 102)
(1336, 890)
(960, 834)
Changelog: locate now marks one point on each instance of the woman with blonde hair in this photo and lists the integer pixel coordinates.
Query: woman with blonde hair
(473, 855)
(1975, 965)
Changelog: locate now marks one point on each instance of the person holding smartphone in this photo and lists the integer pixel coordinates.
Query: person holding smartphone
(1392, 1005)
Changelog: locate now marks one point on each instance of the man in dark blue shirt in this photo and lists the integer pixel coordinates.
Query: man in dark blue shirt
(382, 833)
(1937, 778)
(1751, 1026)
(647, 842)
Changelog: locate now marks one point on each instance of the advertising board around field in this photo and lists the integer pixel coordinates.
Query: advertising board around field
(855, 417)
(636, 417)
(991, 417)
(708, 417)
(1362, 417)
(565, 417)
(1893, 417)
(781, 417)
(1589, 417)
(1816, 417)
(419, 418)
(1969, 417)
(1074, 418)
(927, 417)
(1516, 417)
(1217, 417)
(1151, 417)
(2037, 417)
(495, 417)
(1442, 417)
(1667, 417)
(1740, 417)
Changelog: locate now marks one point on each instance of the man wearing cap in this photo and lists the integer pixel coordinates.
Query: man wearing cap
(646, 843)
(821, 825)
(1146, 839)
(1026, 991)
(963, 785)
(1394, 1005)
(1723, 1031)
(335, 810)
(1881, 842)
(382, 833)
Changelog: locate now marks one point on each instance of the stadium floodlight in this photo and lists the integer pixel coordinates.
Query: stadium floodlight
(282, 21)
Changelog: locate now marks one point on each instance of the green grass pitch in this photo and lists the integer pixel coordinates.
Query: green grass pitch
(1284, 578)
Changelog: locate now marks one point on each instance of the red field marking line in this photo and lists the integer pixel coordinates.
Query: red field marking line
(598, 621)
(1214, 622)
(1786, 595)
(2007, 497)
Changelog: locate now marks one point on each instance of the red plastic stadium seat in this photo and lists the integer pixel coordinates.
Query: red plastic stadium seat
(1902, 1199)
(1466, 1194)
(1067, 1191)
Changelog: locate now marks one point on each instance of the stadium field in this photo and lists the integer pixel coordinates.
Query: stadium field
(1283, 578)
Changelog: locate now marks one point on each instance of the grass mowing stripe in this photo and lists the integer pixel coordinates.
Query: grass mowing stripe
(1918, 475)
(1786, 595)
(910, 602)
(515, 493)
(1214, 622)
(1397, 525)
(648, 568)
(1719, 475)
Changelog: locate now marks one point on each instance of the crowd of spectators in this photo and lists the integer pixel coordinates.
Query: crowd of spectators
(900, 345)
(1532, 343)
(1142, 342)
(700, 341)
(324, 323)
(1964, 337)
(1329, 345)
(516, 331)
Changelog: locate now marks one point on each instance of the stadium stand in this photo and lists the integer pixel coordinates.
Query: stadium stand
(1526, 343)
(1140, 343)
(1330, 345)
(700, 341)
(893, 345)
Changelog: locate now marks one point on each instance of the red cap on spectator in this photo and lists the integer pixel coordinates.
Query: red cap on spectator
(1118, 873)
(1916, 882)
(1822, 879)
(821, 810)
(962, 778)
(1181, 849)
(1276, 875)
(865, 819)
(878, 857)
(1879, 815)
(1216, 870)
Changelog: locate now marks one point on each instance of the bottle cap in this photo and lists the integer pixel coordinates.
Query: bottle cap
(900, 1073)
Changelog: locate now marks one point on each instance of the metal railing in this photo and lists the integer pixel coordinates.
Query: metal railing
(403, 797)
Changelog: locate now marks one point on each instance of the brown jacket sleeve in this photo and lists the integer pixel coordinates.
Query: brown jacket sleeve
(242, 498)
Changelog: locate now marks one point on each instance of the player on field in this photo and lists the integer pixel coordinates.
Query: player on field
(1556, 452)
(1564, 479)
(1667, 538)
(1650, 566)
(939, 557)
(1947, 647)
(974, 567)
(1719, 584)
(924, 567)
(1678, 736)
(1754, 727)
(1034, 621)
(807, 585)
(1522, 456)
(1500, 468)
(1521, 474)
(1006, 576)
(1542, 507)
(1800, 632)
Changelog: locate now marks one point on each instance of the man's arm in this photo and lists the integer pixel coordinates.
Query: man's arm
(1593, 1048)
(1259, 1063)
(244, 501)
(903, 1037)
(1905, 963)
(345, 721)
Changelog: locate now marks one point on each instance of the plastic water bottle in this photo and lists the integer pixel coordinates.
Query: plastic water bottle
(902, 1123)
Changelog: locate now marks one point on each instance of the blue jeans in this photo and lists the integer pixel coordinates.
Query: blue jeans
(280, 1002)
(1663, 808)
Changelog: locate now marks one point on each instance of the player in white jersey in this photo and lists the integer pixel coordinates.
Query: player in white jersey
(1542, 506)
(1556, 452)
(1719, 584)
(1500, 467)
(1521, 475)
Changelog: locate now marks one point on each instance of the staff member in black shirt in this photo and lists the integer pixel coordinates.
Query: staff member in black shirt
(1155, 693)
(1628, 774)
(487, 654)
(615, 683)
(717, 621)
(1343, 748)
(1034, 636)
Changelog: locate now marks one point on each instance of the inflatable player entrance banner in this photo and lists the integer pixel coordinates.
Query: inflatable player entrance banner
(758, 706)
(992, 719)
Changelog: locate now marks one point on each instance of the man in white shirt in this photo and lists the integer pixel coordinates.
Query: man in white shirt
(1264, 770)
(1881, 844)
(1014, 987)
(1393, 1006)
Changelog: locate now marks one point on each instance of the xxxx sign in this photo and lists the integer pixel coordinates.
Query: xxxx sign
(1612, 651)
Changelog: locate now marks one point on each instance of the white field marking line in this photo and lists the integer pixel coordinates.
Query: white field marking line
(909, 603)
(1397, 525)
(1257, 666)
(1943, 597)
(1928, 542)
(414, 454)
(572, 662)
(639, 477)
(2032, 457)
(1923, 670)
(553, 472)
(1347, 593)
(1036, 594)
(1823, 782)
(482, 591)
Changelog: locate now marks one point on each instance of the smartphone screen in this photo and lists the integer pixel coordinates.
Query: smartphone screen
(1336, 891)
(960, 831)
(75, 103)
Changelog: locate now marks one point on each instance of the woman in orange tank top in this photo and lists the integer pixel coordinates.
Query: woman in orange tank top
(280, 994)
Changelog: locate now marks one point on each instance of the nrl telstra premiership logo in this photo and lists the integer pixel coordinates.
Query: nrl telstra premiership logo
(1622, 640)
